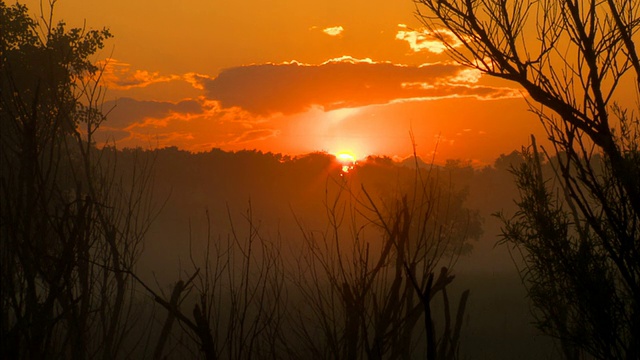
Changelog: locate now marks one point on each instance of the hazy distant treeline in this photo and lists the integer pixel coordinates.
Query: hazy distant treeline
(286, 193)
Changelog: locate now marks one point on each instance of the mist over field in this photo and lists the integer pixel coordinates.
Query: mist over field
(214, 193)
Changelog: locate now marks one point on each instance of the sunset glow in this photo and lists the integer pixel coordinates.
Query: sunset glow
(272, 180)
(294, 79)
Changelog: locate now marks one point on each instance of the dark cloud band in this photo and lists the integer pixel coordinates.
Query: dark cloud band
(292, 87)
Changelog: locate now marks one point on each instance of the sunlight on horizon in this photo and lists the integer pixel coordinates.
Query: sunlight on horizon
(347, 160)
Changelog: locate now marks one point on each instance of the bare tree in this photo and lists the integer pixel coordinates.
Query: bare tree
(367, 280)
(72, 223)
(578, 62)
(236, 296)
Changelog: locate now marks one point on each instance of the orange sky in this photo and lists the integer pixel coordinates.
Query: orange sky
(294, 77)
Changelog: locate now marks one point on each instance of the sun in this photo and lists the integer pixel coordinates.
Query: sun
(345, 157)
(347, 160)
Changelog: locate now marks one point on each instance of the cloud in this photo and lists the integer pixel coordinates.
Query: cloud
(294, 87)
(333, 30)
(346, 59)
(196, 79)
(453, 91)
(118, 75)
(125, 111)
(426, 40)
(255, 135)
(196, 124)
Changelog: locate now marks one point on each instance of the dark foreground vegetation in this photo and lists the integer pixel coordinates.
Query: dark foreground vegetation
(133, 253)
(578, 235)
